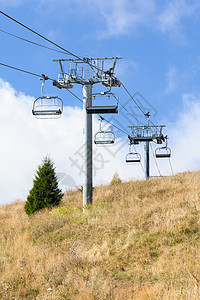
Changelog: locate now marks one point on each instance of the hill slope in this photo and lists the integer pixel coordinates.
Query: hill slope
(139, 241)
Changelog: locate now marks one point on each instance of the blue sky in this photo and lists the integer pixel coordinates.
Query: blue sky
(159, 43)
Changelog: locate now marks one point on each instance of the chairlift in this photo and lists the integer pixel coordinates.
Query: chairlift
(103, 109)
(47, 107)
(104, 137)
(132, 157)
(163, 152)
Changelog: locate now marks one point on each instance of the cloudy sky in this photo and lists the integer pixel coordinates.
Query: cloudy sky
(159, 43)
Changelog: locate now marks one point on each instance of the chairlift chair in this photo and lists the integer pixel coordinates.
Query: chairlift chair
(133, 157)
(47, 107)
(163, 152)
(103, 109)
(104, 137)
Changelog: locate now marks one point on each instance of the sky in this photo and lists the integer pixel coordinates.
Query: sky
(159, 43)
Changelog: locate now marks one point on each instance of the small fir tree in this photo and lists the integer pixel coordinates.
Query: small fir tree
(45, 191)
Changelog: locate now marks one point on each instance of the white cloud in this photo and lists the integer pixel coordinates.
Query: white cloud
(172, 77)
(184, 135)
(113, 18)
(170, 19)
(123, 16)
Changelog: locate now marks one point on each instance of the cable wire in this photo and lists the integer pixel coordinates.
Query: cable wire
(21, 70)
(136, 102)
(155, 161)
(130, 113)
(170, 163)
(46, 39)
(43, 37)
(28, 41)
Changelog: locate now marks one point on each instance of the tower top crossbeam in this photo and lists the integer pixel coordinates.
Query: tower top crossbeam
(147, 134)
(87, 71)
(86, 59)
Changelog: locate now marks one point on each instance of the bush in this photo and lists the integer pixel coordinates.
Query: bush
(45, 191)
(116, 179)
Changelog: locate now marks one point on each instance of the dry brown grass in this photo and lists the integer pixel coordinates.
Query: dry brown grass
(140, 240)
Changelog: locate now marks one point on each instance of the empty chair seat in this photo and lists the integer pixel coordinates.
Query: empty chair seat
(102, 110)
(132, 157)
(100, 103)
(104, 138)
(163, 152)
(47, 107)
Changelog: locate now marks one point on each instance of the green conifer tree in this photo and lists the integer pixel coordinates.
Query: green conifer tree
(45, 191)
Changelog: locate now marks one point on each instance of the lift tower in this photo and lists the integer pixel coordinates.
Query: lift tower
(148, 134)
(87, 72)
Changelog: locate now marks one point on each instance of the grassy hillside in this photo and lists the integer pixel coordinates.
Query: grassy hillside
(140, 240)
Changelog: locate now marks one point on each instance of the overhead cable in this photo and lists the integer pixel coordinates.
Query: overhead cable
(130, 113)
(155, 161)
(46, 39)
(28, 41)
(43, 37)
(136, 102)
(170, 163)
(21, 70)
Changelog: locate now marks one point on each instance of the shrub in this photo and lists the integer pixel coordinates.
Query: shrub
(45, 191)
(116, 179)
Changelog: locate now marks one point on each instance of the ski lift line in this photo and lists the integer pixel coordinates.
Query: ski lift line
(28, 41)
(155, 160)
(135, 102)
(115, 126)
(130, 113)
(43, 37)
(170, 163)
(21, 70)
(75, 96)
(46, 39)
